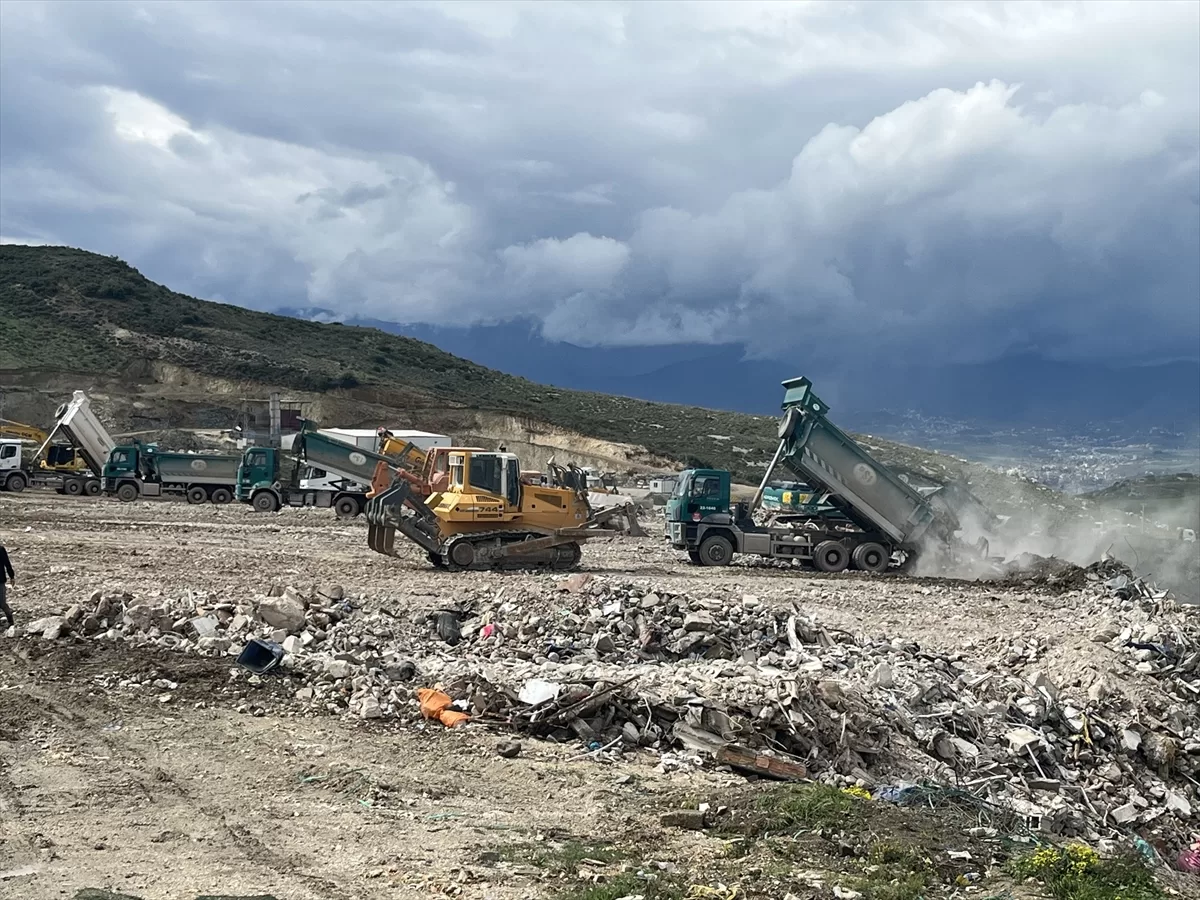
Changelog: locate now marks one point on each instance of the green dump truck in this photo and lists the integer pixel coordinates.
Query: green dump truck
(138, 470)
(259, 483)
(874, 519)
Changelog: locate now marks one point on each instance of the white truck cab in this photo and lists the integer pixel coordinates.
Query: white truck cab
(315, 479)
(12, 477)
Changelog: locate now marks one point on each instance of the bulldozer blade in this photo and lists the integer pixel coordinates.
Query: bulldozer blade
(385, 515)
(627, 512)
(635, 527)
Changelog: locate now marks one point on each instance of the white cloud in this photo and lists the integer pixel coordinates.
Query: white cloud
(966, 176)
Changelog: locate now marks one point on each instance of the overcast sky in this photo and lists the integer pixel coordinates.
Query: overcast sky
(952, 179)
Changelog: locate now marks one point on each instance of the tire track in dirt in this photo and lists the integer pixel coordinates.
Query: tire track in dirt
(81, 722)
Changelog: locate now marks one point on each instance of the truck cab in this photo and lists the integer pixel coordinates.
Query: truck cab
(700, 503)
(12, 477)
(122, 462)
(259, 469)
(314, 478)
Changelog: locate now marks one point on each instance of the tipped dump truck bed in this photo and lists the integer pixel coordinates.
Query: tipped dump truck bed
(868, 492)
(86, 433)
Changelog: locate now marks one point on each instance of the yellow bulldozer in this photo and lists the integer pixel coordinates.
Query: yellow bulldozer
(484, 515)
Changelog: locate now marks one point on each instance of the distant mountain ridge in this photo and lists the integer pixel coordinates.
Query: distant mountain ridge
(1012, 392)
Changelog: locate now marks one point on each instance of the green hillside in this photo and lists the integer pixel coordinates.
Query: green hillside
(80, 313)
(70, 310)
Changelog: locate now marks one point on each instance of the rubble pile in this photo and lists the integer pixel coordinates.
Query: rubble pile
(1108, 575)
(742, 681)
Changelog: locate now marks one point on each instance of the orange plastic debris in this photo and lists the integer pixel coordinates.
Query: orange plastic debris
(436, 705)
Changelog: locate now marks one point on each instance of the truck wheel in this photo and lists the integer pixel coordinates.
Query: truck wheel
(15, 483)
(127, 492)
(870, 557)
(830, 556)
(197, 495)
(92, 488)
(716, 551)
(221, 495)
(346, 508)
(73, 487)
(264, 501)
(694, 556)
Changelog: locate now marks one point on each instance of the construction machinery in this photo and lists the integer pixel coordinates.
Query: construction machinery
(485, 516)
(142, 470)
(89, 439)
(55, 458)
(349, 467)
(880, 520)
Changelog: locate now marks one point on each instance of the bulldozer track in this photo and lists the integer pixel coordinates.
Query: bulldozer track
(549, 558)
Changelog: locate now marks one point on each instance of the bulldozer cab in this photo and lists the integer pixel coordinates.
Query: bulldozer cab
(497, 475)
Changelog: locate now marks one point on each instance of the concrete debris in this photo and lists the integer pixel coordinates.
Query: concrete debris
(740, 682)
(690, 819)
(509, 749)
(286, 612)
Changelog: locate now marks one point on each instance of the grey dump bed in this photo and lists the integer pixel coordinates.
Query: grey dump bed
(342, 459)
(820, 453)
(79, 424)
(194, 468)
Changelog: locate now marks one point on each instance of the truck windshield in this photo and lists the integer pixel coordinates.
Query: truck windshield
(709, 487)
(257, 458)
(119, 458)
(681, 487)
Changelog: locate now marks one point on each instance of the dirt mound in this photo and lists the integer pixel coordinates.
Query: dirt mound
(1061, 576)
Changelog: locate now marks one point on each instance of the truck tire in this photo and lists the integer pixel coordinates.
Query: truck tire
(264, 501)
(16, 483)
(694, 558)
(73, 486)
(127, 492)
(830, 556)
(716, 551)
(197, 495)
(870, 557)
(92, 488)
(221, 495)
(346, 508)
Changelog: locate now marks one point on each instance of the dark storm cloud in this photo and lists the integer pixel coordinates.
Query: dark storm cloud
(962, 179)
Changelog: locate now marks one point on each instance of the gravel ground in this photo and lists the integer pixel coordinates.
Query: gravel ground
(103, 786)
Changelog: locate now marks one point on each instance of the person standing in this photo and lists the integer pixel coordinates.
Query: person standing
(6, 573)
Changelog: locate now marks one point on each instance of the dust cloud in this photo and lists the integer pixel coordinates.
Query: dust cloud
(1073, 532)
